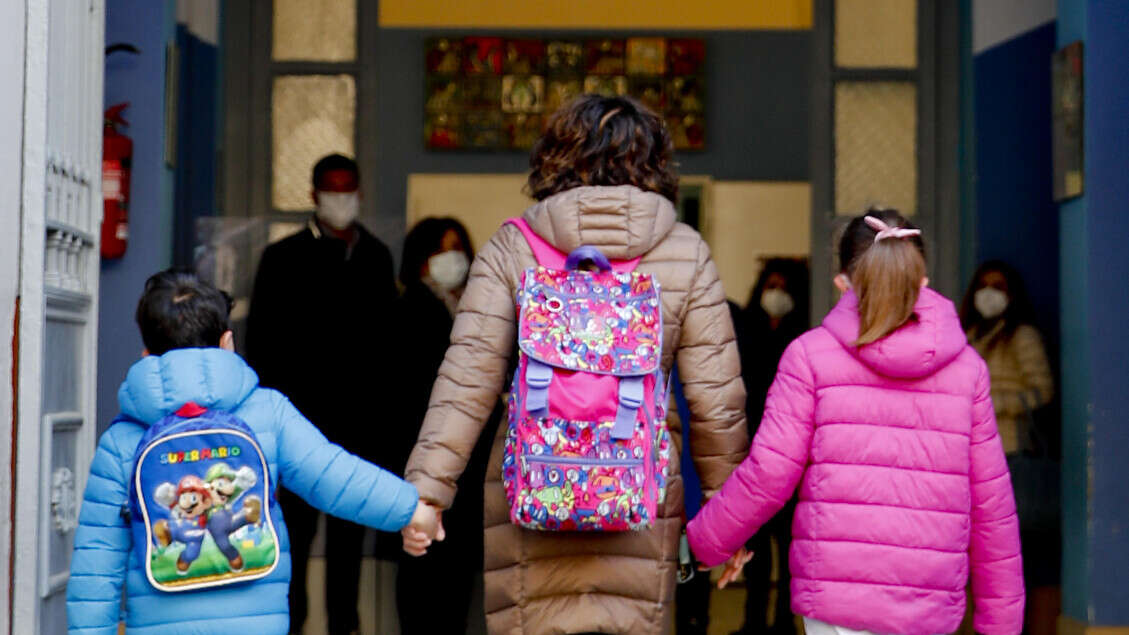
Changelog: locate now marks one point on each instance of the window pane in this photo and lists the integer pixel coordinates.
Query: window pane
(311, 116)
(315, 30)
(876, 33)
(875, 146)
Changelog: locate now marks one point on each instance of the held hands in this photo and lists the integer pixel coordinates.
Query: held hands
(426, 525)
(732, 567)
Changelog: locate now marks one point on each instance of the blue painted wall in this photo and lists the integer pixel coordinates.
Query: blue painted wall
(1095, 265)
(1017, 219)
(197, 114)
(1075, 354)
(1107, 208)
(140, 80)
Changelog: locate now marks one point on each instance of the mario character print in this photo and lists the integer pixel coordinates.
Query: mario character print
(188, 502)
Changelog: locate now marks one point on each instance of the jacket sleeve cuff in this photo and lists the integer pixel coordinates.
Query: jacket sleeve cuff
(703, 549)
(998, 616)
(432, 490)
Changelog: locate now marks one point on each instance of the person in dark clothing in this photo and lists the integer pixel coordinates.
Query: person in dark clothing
(776, 314)
(331, 281)
(437, 256)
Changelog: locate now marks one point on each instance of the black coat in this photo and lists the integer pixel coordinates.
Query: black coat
(423, 327)
(318, 332)
(761, 348)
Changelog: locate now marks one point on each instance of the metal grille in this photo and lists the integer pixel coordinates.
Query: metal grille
(875, 146)
(311, 116)
(876, 33)
(315, 30)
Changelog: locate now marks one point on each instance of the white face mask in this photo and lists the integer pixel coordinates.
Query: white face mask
(448, 269)
(777, 303)
(990, 302)
(338, 209)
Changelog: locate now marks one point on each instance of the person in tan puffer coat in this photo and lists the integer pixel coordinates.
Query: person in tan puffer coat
(602, 176)
(999, 320)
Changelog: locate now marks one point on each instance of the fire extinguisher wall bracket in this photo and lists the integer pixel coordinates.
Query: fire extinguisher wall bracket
(117, 159)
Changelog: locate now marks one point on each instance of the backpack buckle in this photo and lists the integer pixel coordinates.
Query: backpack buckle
(630, 400)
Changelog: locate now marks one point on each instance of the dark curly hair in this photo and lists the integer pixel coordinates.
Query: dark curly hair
(596, 140)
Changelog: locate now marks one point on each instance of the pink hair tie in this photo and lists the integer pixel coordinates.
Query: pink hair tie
(885, 231)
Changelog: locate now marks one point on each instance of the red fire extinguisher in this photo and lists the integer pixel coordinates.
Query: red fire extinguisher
(117, 155)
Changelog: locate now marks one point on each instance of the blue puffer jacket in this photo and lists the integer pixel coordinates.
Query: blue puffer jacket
(300, 458)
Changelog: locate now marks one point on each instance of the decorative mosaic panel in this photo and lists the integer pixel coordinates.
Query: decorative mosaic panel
(493, 93)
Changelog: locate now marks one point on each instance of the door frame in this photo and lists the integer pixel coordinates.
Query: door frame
(938, 142)
(60, 187)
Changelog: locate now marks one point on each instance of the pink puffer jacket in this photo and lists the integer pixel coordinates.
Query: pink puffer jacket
(903, 484)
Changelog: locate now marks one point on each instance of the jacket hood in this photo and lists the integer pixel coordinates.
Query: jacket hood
(917, 349)
(622, 221)
(157, 386)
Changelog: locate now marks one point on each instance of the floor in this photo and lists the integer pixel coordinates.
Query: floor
(377, 597)
(377, 602)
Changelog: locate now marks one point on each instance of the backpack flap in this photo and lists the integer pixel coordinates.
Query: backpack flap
(605, 323)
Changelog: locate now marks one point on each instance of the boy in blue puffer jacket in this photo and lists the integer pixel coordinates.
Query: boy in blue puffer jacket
(190, 358)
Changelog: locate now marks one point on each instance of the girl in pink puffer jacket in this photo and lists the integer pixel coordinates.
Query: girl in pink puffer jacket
(883, 418)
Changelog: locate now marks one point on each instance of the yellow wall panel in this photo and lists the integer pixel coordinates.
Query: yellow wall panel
(482, 202)
(750, 220)
(743, 221)
(598, 14)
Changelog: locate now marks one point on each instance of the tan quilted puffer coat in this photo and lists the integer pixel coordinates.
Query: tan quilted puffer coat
(571, 582)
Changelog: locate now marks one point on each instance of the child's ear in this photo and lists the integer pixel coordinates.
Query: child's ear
(227, 341)
(842, 282)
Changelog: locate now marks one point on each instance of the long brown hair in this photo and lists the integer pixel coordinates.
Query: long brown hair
(596, 140)
(885, 275)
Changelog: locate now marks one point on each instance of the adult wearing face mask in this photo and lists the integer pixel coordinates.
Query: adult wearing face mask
(776, 314)
(437, 257)
(999, 320)
(317, 331)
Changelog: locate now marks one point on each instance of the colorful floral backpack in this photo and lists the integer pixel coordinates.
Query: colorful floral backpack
(201, 502)
(587, 447)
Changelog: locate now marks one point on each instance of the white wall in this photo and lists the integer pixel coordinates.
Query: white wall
(997, 21)
(11, 135)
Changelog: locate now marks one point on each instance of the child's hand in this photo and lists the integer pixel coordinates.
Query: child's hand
(733, 567)
(426, 525)
(415, 542)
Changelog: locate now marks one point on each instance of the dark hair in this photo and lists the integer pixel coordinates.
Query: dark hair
(424, 240)
(333, 162)
(1019, 309)
(886, 275)
(178, 310)
(596, 140)
(798, 280)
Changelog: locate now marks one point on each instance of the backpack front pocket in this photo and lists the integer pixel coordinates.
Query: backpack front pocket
(583, 494)
(573, 476)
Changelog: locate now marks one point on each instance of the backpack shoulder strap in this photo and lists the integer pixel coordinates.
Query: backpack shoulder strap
(546, 254)
(549, 256)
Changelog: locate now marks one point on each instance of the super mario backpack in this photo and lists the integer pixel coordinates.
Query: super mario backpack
(587, 446)
(201, 501)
